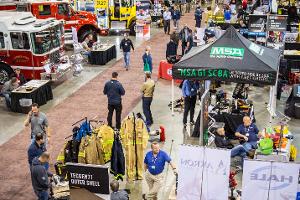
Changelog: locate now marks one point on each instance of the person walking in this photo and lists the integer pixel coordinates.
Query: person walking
(39, 176)
(39, 124)
(171, 51)
(148, 90)
(114, 91)
(154, 164)
(126, 45)
(176, 17)
(167, 16)
(198, 17)
(147, 60)
(190, 42)
(184, 36)
(189, 92)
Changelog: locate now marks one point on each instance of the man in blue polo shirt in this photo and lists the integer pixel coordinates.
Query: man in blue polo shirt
(154, 166)
(249, 132)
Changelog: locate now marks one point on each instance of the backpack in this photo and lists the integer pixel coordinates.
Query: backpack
(266, 146)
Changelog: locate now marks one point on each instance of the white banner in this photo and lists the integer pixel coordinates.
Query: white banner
(203, 173)
(270, 180)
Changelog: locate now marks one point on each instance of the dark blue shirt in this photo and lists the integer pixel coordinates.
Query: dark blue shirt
(250, 131)
(156, 164)
(189, 88)
(114, 90)
(34, 151)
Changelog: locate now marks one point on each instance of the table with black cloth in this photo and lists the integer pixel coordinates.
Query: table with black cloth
(101, 56)
(40, 94)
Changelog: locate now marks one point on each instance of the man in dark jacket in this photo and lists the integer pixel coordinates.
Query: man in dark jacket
(222, 142)
(114, 91)
(126, 45)
(198, 16)
(21, 78)
(37, 148)
(184, 36)
(171, 51)
(39, 176)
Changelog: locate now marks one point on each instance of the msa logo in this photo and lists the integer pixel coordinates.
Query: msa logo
(268, 181)
(227, 52)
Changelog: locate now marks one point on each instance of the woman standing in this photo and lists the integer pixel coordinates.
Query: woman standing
(147, 60)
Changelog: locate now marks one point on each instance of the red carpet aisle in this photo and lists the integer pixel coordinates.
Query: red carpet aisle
(88, 101)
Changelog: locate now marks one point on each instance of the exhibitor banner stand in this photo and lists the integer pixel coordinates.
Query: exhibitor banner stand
(143, 19)
(270, 180)
(203, 173)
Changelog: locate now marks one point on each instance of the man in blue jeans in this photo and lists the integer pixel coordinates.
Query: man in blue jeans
(249, 132)
(222, 142)
(148, 90)
(126, 45)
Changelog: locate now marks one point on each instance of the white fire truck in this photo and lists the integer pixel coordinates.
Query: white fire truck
(33, 45)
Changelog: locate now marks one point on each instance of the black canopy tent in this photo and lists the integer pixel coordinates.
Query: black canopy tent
(230, 58)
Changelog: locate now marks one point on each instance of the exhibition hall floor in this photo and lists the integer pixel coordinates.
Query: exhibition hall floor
(82, 97)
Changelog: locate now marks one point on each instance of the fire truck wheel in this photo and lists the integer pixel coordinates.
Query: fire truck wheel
(5, 73)
(132, 29)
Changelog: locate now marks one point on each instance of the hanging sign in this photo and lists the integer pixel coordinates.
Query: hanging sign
(203, 173)
(91, 177)
(257, 23)
(277, 22)
(270, 180)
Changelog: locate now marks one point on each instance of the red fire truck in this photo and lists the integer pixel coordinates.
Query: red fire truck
(33, 45)
(84, 22)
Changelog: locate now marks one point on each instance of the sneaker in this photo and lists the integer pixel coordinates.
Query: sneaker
(144, 197)
(126, 69)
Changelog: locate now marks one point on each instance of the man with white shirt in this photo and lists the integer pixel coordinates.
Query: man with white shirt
(167, 18)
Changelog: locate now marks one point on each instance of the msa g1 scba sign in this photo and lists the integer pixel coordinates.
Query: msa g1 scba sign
(227, 52)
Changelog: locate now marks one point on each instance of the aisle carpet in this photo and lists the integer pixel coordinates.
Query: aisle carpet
(88, 101)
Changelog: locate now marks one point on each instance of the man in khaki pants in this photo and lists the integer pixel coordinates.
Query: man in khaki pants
(154, 166)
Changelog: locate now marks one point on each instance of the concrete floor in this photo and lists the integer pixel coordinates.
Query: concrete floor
(12, 123)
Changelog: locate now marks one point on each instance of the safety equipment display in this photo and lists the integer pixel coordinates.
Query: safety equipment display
(135, 137)
(266, 146)
(106, 134)
(117, 167)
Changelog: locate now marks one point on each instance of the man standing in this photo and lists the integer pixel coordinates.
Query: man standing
(154, 166)
(184, 36)
(148, 90)
(39, 176)
(7, 88)
(167, 18)
(126, 45)
(36, 149)
(249, 132)
(171, 51)
(189, 92)
(198, 16)
(39, 124)
(222, 142)
(114, 91)
(176, 16)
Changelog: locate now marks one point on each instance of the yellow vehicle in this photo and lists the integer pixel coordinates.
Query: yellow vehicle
(116, 15)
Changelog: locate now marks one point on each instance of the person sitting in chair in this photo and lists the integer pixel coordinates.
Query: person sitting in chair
(249, 132)
(222, 142)
(86, 45)
(7, 88)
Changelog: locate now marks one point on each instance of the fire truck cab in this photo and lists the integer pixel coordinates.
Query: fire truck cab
(84, 22)
(33, 45)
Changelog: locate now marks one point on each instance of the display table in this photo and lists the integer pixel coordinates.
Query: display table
(40, 94)
(283, 155)
(102, 54)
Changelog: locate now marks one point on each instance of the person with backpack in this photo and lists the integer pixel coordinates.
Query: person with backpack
(147, 60)
(198, 16)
